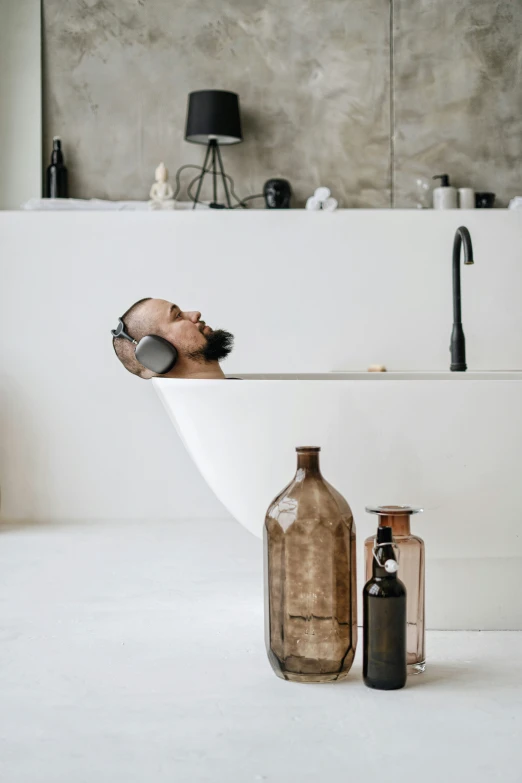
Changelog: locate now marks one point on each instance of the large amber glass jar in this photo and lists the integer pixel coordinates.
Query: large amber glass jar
(411, 573)
(310, 578)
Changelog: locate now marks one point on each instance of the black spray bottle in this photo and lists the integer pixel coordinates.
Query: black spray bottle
(384, 619)
(56, 174)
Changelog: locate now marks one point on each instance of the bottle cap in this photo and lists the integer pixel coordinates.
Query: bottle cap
(384, 535)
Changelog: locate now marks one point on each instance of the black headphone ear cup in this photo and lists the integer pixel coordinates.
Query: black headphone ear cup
(156, 354)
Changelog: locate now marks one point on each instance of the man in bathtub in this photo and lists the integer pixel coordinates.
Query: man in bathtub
(156, 338)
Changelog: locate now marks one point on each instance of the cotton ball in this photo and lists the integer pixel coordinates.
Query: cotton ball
(322, 194)
(313, 203)
(330, 204)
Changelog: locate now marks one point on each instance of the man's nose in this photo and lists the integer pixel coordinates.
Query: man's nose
(194, 316)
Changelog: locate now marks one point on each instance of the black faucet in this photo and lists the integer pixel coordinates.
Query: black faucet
(458, 342)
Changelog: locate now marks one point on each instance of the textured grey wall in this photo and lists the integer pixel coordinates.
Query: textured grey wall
(328, 94)
(457, 98)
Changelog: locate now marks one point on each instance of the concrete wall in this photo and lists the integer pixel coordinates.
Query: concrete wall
(366, 96)
(457, 99)
(20, 102)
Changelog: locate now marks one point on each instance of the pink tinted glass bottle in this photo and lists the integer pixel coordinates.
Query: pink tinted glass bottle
(411, 573)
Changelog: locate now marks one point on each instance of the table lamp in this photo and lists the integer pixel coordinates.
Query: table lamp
(213, 119)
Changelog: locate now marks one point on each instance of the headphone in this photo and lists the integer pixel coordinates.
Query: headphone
(153, 352)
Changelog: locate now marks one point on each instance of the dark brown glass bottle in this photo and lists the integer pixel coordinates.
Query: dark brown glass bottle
(310, 578)
(56, 176)
(384, 619)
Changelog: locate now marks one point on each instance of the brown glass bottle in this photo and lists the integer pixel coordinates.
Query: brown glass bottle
(411, 573)
(310, 578)
(384, 620)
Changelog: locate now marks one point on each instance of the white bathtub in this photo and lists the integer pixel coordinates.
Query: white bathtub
(449, 442)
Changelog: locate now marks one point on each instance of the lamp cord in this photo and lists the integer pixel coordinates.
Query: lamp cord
(240, 202)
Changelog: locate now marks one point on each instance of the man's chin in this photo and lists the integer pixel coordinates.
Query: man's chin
(218, 345)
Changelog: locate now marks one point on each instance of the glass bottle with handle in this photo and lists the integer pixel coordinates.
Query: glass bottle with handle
(384, 618)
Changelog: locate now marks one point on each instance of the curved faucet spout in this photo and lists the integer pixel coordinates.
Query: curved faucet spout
(458, 342)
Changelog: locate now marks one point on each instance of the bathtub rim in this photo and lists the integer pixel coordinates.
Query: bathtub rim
(375, 377)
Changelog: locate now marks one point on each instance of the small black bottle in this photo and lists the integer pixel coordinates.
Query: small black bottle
(384, 619)
(56, 175)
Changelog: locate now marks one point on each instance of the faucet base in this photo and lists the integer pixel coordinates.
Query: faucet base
(458, 349)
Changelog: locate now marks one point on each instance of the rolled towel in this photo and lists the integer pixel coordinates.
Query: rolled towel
(330, 204)
(322, 194)
(313, 203)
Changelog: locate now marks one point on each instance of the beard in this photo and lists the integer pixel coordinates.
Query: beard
(217, 347)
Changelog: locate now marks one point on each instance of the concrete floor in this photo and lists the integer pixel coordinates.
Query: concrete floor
(134, 652)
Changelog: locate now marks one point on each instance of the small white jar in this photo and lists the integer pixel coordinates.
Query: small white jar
(466, 198)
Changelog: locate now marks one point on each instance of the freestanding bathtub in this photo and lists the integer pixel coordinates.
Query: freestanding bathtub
(449, 442)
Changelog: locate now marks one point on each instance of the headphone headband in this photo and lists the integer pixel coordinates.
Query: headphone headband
(152, 351)
(120, 332)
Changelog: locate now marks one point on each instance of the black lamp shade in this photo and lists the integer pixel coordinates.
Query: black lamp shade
(213, 114)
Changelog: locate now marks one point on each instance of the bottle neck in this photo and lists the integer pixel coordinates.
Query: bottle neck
(57, 154)
(400, 524)
(308, 461)
(381, 555)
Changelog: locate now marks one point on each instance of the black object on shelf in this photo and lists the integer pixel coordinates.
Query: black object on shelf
(484, 200)
(213, 119)
(384, 619)
(277, 193)
(56, 175)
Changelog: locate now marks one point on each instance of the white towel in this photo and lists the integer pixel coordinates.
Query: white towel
(82, 204)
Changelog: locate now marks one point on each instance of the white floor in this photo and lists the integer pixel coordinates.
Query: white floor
(134, 652)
